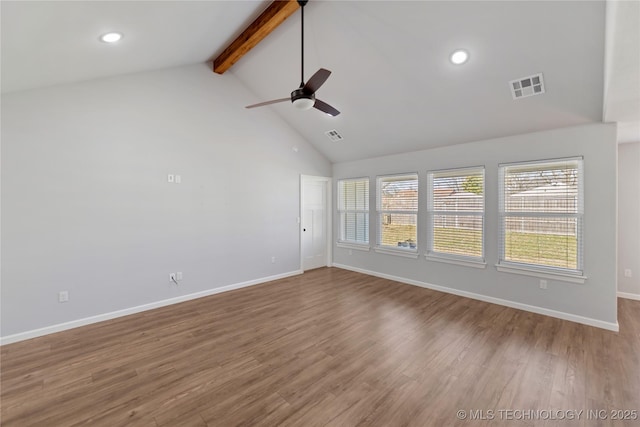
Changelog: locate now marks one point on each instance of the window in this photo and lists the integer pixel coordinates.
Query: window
(541, 210)
(456, 213)
(353, 207)
(397, 204)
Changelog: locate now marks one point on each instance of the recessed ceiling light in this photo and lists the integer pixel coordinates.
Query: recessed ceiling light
(459, 57)
(110, 37)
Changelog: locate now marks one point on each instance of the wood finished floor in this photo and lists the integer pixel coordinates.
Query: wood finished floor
(328, 348)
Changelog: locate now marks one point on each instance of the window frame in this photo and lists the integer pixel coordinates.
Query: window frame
(432, 254)
(380, 214)
(541, 270)
(345, 243)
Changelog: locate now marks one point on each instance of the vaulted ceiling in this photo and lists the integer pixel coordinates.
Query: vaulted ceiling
(392, 78)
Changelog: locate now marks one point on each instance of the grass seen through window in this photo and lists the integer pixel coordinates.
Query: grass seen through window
(531, 248)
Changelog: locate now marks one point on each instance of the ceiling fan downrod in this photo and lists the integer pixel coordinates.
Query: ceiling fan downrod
(302, 3)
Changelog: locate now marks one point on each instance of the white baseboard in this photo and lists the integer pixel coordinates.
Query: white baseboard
(132, 310)
(628, 295)
(520, 306)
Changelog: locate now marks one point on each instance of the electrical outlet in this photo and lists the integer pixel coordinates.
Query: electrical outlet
(178, 179)
(273, 260)
(170, 178)
(63, 296)
(543, 284)
(627, 272)
(172, 278)
(179, 275)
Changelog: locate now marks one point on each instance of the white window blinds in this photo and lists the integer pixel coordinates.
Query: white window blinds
(353, 208)
(397, 204)
(456, 213)
(541, 214)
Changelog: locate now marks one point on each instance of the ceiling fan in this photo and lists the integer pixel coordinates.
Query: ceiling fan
(304, 98)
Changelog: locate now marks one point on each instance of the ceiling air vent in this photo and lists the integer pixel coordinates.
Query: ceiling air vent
(527, 86)
(333, 135)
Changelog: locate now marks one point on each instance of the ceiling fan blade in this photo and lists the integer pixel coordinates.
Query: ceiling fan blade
(316, 81)
(275, 101)
(325, 108)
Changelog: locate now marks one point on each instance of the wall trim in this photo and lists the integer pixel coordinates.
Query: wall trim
(628, 295)
(137, 309)
(507, 303)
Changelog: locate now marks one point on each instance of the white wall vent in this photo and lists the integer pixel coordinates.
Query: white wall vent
(527, 86)
(333, 135)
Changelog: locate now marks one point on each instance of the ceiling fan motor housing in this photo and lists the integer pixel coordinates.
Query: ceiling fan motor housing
(302, 100)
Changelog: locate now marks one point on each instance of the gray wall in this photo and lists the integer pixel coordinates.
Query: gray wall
(86, 206)
(595, 299)
(629, 218)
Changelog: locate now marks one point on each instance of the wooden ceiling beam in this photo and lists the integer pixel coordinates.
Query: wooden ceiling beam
(268, 21)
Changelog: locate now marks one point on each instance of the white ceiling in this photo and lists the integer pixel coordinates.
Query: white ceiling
(391, 76)
(46, 43)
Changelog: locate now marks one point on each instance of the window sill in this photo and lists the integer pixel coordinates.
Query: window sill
(465, 263)
(397, 252)
(543, 274)
(355, 246)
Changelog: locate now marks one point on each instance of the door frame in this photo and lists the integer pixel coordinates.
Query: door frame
(329, 217)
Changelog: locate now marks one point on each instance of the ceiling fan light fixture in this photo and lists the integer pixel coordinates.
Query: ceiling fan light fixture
(302, 100)
(459, 57)
(303, 103)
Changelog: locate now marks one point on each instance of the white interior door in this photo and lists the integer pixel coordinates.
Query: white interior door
(315, 230)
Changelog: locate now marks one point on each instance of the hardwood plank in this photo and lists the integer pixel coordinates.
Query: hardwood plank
(327, 348)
